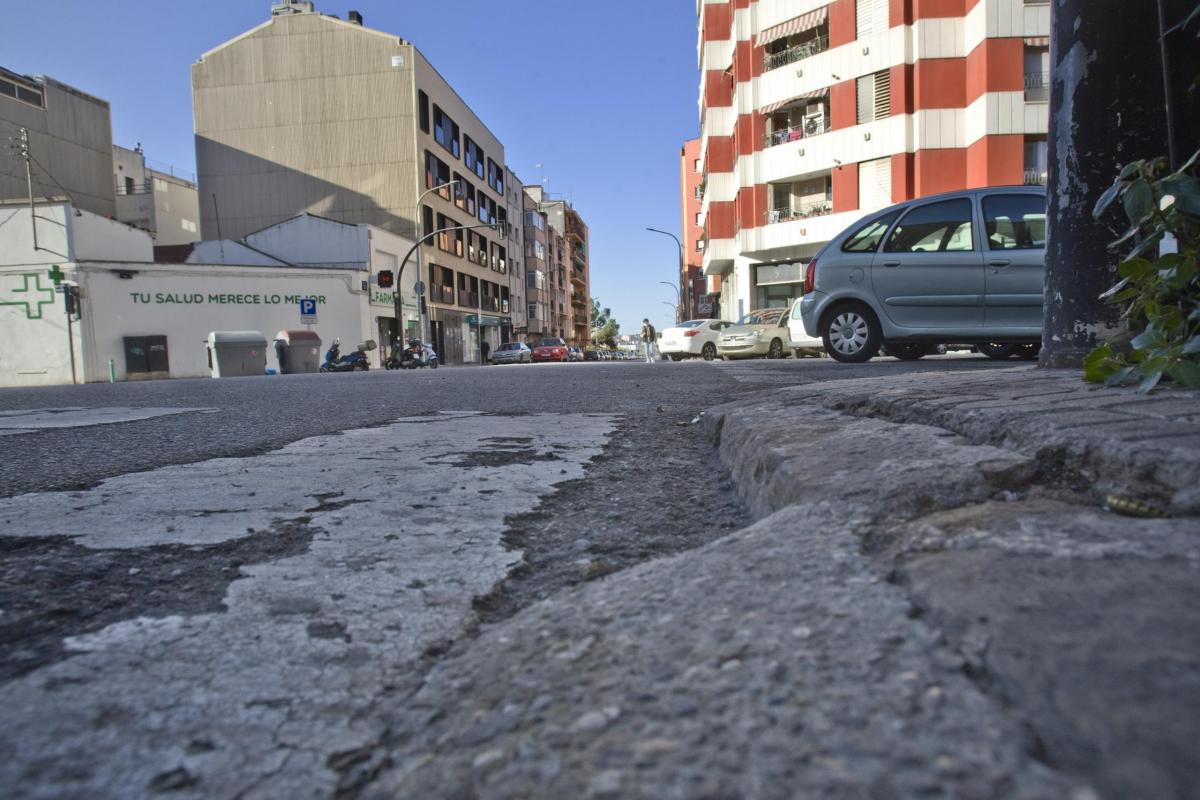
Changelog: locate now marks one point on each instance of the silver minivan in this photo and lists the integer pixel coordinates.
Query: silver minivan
(963, 267)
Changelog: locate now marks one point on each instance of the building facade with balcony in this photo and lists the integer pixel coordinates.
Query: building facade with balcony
(310, 113)
(567, 268)
(814, 113)
(161, 202)
(537, 279)
(697, 300)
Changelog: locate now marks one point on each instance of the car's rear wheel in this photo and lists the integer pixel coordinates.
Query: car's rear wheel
(708, 352)
(776, 349)
(906, 351)
(676, 357)
(851, 334)
(996, 350)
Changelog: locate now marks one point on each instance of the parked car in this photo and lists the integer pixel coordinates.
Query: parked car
(512, 353)
(798, 339)
(963, 267)
(574, 354)
(761, 333)
(692, 339)
(591, 354)
(550, 350)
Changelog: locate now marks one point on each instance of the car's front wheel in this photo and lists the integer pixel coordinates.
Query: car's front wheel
(708, 352)
(997, 350)
(776, 349)
(1029, 352)
(851, 334)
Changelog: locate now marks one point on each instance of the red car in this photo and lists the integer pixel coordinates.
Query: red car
(550, 350)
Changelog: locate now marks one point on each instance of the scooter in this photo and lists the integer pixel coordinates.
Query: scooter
(354, 362)
(417, 354)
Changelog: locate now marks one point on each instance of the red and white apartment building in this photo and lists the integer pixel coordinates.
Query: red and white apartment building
(814, 113)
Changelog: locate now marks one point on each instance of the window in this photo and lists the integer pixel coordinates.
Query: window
(866, 239)
(474, 156)
(487, 209)
(445, 131)
(1015, 221)
(34, 97)
(532, 310)
(426, 220)
(535, 220)
(874, 97)
(696, 166)
(495, 177)
(874, 184)
(437, 174)
(188, 225)
(423, 110)
(499, 258)
(699, 245)
(535, 249)
(502, 220)
(449, 241)
(464, 194)
(128, 185)
(936, 227)
(698, 215)
(1037, 74)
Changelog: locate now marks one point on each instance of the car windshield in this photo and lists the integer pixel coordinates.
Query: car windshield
(509, 346)
(552, 343)
(763, 316)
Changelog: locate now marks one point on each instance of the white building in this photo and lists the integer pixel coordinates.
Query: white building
(125, 297)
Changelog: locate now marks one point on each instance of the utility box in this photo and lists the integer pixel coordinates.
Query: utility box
(298, 351)
(233, 354)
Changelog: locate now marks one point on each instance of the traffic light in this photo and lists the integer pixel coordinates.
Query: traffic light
(385, 279)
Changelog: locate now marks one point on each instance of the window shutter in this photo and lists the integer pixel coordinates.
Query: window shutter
(874, 184)
(883, 94)
(871, 16)
(866, 99)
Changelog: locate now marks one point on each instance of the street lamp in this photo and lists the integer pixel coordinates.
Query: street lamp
(681, 267)
(397, 298)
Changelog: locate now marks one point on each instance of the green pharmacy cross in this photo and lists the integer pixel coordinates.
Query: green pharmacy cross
(56, 274)
(33, 292)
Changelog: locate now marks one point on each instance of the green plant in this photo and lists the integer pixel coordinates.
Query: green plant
(1160, 276)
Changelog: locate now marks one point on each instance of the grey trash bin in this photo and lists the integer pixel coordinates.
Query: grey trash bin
(234, 354)
(298, 351)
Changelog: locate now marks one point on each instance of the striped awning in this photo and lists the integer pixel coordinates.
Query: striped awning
(813, 95)
(1037, 41)
(793, 26)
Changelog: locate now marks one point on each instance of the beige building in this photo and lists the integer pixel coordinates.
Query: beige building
(567, 292)
(162, 203)
(308, 112)
(69, 139)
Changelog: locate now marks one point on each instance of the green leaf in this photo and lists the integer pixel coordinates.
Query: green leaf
(1150, 241)
(1134, 268)
(1119, 376)
(1187, 21)
(1139, 201)
(1150, 381)
(1186, 192)
(1146, 339)
(1107, 198)
(1192, 345)
(1116, 287)
(1186, 372)
(1125, 296)
(1130, 169)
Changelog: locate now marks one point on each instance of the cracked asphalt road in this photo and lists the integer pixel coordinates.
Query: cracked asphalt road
(216, 603)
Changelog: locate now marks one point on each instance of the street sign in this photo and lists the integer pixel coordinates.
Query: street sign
(420, 288)
(308, 311)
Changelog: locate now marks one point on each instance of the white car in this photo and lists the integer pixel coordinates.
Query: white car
(800, 342)
(696, 337)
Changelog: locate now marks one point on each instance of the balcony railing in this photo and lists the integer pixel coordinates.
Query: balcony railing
(800, 212)
(145, 187)
(441, 294)
(1034, 177)
(1037, 87)
(468, 299)
(793, 54)
(810, 127)
(490, 303)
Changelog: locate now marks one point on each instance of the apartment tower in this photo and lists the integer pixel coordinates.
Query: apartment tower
(309, 112)
(814, 113)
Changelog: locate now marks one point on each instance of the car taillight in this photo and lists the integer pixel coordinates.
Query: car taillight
(691, 333)
(810, 276)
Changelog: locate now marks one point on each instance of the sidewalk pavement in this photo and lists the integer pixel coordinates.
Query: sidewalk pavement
(934, 601)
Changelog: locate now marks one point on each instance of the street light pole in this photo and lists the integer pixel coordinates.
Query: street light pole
(398, 301)
(679, 244)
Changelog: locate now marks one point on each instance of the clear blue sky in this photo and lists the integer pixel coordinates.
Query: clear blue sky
(602, 94)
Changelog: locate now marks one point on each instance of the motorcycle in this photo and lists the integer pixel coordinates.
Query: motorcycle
(353, 362)
(417, 354)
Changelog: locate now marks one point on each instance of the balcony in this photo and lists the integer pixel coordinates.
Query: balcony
(441, 294)
(810, 127)
(131, 187)
(797, 53)
(1037, 87)
(468, 299)
(807, 211)
(1035, 177)
(490, 303)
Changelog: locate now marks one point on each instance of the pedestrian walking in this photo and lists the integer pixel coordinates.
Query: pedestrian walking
(648, 336)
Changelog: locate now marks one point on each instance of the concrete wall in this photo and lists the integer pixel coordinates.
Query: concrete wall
(64, 235)
(176, 209)
(135, 196)
(306, 113)
(71, 139)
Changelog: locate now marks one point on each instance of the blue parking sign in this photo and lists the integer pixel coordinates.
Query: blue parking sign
(308, 311)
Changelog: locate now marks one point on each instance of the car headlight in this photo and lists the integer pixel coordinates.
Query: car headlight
(756, 335)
